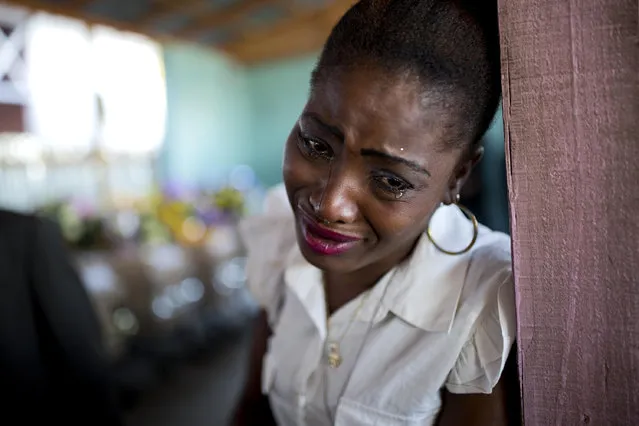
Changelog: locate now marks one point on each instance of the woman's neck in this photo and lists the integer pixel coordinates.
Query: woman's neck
(341, 288)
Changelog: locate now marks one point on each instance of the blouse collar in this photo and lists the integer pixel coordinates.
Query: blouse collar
(424, 290)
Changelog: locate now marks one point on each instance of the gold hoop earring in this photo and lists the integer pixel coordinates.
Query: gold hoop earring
(473, 219)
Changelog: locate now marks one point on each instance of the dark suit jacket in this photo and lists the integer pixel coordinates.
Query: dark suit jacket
(52, 361)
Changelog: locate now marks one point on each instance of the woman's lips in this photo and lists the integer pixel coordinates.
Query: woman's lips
(325, 241)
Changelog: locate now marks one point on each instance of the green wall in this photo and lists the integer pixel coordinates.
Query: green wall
(208, 116)
(221, 114)
(277, 94)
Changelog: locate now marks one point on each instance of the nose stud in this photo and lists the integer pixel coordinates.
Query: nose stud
(314, 205)
(316, 208)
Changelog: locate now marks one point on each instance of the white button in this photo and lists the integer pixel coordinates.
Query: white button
(301, 400)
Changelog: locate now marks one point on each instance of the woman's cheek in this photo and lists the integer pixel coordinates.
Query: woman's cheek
(297, 170)
(291, 164)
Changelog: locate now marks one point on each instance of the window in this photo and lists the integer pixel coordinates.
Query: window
(73, 69)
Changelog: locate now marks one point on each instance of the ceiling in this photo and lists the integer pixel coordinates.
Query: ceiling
(251, 31)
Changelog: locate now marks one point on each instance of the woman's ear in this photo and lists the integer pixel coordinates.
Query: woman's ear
(464, 168)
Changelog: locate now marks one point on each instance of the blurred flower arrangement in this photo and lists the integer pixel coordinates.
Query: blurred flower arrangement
(81, 227)
(165, 217)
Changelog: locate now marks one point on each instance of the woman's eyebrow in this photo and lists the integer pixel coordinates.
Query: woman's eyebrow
(380, 154)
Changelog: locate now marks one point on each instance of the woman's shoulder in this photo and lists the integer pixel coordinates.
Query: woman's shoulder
(486, 315)
(451, 229)
(483, 313)
(269, 239)
(490, 261)
(492, 252)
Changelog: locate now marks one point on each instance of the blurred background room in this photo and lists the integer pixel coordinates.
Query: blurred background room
(147, 129)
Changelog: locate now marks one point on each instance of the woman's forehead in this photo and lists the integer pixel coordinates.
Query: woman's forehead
(373, 106)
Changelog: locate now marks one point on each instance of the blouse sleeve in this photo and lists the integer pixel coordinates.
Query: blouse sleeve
(483, 357)
(268, 239)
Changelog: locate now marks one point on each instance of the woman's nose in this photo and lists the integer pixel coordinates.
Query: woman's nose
(334, 199)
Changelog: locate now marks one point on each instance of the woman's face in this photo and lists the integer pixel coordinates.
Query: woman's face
(365, 168)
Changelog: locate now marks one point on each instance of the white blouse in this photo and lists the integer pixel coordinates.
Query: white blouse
(436, 321)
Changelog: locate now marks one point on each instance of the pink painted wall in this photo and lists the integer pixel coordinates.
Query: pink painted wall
(571, 111)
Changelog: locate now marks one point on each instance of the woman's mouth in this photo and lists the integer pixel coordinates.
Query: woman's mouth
(325, 241)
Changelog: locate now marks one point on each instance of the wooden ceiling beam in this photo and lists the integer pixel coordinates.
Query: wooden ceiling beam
(304, 32)
(158, 11)
(301, 31)
(77, 4)
(229, 15)
(322, 18)
(167, 9)
(299, 43)
(64, 10)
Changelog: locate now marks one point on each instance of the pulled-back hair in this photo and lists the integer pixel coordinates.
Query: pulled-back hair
(451, 47)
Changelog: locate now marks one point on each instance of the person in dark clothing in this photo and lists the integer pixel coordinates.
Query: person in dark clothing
(52, 361)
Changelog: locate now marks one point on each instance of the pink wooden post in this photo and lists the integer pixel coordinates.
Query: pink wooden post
(571, 113)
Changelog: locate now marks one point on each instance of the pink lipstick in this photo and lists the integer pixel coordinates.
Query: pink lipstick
(325, 241)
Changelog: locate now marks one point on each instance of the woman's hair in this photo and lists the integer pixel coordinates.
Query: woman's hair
(450, 47)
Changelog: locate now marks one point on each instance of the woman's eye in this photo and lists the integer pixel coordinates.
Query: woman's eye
(392, 185)
(316, 148)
